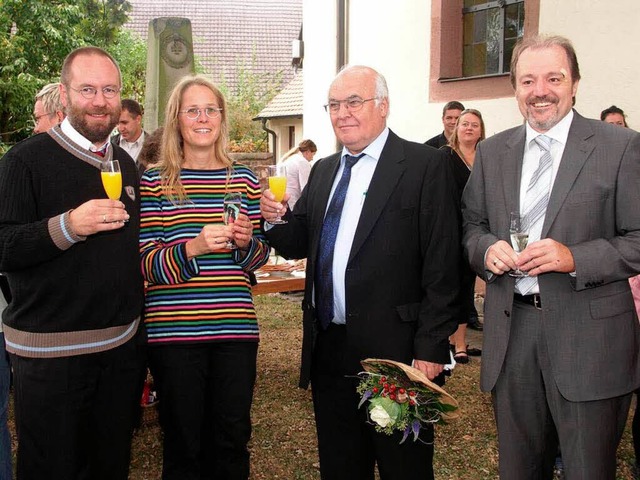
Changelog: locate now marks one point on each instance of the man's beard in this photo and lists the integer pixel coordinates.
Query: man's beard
(97, 132)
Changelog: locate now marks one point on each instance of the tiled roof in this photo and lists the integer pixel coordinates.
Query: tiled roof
(228, 34)
(288, 103)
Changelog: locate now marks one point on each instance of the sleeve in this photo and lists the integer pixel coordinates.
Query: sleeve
(441, 304)
(477, 236)
(622, 251)
(258, 252)
(26, 239)
(161, 263)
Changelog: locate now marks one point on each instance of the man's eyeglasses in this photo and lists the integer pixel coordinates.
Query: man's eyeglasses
(37, 118)
(91, 92)
(353, 104)
(194, 113)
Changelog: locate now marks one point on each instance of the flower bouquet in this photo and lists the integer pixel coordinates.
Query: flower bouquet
(401, 398)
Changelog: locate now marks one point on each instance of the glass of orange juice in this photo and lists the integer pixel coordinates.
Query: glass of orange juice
(278, 186)
(111, 178)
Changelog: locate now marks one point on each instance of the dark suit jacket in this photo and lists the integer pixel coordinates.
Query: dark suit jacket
(402, 276)
(589, 321)
(437, 141)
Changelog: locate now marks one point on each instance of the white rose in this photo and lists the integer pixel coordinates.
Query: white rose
(380, 416)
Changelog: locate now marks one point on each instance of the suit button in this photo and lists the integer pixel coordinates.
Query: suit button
(507, 313)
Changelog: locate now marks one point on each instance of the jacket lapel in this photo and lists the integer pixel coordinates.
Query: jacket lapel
(385, 179)
(579, 146)
(512, 171)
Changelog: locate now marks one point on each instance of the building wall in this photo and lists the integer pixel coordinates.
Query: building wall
(396, 42)
(281, 127)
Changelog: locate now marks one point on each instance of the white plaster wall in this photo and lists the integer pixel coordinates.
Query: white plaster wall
(608, 47)
(319, 31)
(393, 37)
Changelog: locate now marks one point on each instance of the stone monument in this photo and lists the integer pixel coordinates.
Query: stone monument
(169, 58)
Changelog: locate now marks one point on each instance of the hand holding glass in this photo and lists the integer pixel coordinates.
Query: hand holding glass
(519, 239)
(231, 210)
(278, 186)
(111, 178)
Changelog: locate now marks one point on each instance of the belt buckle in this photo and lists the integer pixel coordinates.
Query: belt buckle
(537, 303)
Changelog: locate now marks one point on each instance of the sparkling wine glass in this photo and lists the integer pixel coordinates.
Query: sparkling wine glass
(231, 209)
(111, 178)
(278, 186)
(519, 239)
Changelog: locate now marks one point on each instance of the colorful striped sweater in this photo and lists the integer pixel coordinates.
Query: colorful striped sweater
(207, 298)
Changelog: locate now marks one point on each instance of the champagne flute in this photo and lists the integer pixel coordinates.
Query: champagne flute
(111, 178)
(278, 186)
(519, 239)
(231, 208)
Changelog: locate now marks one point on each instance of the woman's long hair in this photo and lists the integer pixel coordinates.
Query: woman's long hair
(171, 149)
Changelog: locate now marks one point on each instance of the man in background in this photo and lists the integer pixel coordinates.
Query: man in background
(614, 116)
(48, 110)
(450, 114)
(71, 257)
(130, 133)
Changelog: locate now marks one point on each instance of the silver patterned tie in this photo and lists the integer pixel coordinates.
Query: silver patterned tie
(535, 203)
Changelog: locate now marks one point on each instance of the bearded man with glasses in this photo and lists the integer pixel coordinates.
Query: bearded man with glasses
(71, 257)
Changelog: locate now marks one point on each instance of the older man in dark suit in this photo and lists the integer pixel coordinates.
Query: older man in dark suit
(382, 273)
(561, 353)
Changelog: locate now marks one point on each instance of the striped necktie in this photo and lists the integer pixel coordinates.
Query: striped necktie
(323, 281)
(535, 203)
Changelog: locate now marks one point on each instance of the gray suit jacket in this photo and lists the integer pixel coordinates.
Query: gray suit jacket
(589, 321)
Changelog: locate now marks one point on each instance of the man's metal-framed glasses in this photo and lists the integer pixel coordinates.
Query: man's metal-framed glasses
(91, 92)
(194, 113)
(353, 104)
(36, 118)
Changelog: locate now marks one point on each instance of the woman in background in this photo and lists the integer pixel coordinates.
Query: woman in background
(298, 163)
(461, 151)
(199, 311)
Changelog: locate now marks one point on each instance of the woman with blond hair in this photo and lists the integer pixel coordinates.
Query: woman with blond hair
(199, 311)
(298, 163)
(461, 150)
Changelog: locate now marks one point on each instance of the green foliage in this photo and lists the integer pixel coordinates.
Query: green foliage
(130, 51)
(103, 19)
(36, 36)
(252, 93)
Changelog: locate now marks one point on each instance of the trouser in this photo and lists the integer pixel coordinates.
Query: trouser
(348, 445)
(205, 393)
(74, 415)
(5, 439)
(533, 417)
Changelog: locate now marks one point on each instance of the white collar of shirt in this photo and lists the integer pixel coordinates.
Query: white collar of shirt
(127, 144)
(559, 132)
(374, 149)
(77, 137)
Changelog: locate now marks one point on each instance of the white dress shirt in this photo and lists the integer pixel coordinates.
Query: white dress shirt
(361, 175)
(531, 159)
(133, 148)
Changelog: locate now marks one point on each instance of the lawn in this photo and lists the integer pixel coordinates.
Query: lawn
(283, 444)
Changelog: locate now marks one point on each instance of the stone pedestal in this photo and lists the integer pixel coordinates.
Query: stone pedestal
(169, 58)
